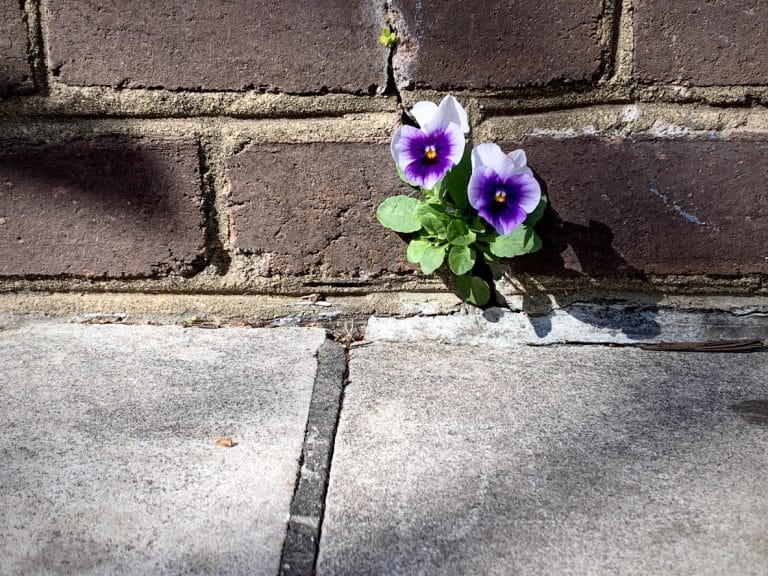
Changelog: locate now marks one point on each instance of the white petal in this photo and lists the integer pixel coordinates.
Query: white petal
(451, 111)
(424, 112)
(518, 158)
(491, 156)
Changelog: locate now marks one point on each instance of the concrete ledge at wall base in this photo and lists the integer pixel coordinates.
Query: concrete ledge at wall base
(579, 323)
(577, 317)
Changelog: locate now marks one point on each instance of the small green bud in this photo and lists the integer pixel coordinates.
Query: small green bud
(388, 37)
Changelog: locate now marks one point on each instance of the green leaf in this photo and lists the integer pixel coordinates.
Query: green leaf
(461, 259)
(459, 233)
(432, 258)
(457, 180)
(434, 226)
(434, 219)
(522, 240)
(432, 208)
(473, 289)
(536, 215)
(416, 250)
(398, 213)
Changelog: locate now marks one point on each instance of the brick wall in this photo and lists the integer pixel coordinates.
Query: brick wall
(242, 146)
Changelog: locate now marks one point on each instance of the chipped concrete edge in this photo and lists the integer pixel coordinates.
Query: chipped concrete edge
(591, 323)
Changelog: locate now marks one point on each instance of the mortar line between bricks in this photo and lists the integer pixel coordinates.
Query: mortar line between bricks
(36, 47)
(302, 538)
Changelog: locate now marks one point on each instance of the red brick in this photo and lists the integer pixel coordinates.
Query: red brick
(701, 43)
(291, 46)
(652, 206)
(311, 208)
(102, 208)
(455, 43)
(15, 73)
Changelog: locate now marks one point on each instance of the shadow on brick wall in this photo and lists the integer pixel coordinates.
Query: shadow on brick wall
(107, 208)
(591, 248)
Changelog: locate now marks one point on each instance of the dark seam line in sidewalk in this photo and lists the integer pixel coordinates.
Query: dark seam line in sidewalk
(302, 538)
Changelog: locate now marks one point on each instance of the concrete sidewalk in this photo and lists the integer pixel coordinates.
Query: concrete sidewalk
(110, 460)
(483, 458)
(577, 460)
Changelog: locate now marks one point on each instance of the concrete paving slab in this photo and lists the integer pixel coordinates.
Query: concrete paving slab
(567, 460)
(110, 463)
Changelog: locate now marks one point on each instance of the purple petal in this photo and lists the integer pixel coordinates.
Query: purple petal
(503, 220)
(425, 157)
(400, 146)
(504, 201)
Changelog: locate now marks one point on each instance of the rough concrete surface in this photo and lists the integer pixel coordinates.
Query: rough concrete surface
(596, 323)
(110, 460)
(558, 460)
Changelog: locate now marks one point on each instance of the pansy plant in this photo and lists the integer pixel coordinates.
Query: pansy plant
(479, 203)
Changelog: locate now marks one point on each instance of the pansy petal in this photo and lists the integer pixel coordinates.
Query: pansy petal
(528, 191)
(428, 156)
(519, 162)
(405, 145)
(491, 156)
(518, 158)
(506, 220)
(479, 184)
(455, 137)
(424, 112)
(451, 111)
(425, 175)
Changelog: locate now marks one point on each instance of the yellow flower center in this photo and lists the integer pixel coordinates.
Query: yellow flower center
(430, 153)
(500, 197)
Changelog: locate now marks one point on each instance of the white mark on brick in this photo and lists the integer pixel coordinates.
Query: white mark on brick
(565, 133)
(419, 21)
(692, 218)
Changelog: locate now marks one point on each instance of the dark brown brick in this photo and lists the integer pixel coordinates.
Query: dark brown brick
(292, 46)
(102, 208)
(311, 208)
(652, 206)
(455, 43)
(701, 43)
(15, 73)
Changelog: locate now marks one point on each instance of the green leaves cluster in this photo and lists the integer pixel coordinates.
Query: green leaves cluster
(445, 230)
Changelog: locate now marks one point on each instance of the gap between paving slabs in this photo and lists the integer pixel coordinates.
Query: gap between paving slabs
(302, 538)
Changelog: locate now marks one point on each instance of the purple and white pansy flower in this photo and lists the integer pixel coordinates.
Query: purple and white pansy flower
(427, 153)
(502, 188)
